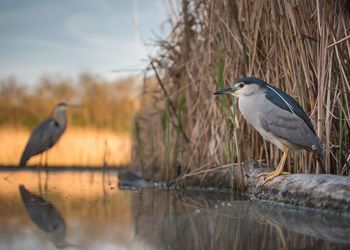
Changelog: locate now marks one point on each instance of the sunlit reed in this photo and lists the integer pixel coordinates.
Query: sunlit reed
(77, 147)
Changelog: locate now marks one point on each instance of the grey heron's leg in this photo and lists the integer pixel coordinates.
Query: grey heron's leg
(39, 180)
(46, 170)
(46, 157)
(41, 158)
(279, 170)
(39, 166)
(46, 180)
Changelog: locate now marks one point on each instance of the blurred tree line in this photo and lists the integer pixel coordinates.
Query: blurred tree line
(104, 104)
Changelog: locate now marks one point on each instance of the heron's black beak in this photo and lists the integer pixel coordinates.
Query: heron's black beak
(226, 91)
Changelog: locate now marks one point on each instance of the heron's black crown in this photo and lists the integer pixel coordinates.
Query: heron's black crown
(253, 80)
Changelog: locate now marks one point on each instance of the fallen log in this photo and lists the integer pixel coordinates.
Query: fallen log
(310, 190)
(318, 191)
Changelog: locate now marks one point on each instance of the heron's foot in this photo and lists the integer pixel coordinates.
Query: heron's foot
(270, 176)
(270, 173)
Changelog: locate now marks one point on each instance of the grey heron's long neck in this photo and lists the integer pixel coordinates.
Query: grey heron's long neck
(60, 117)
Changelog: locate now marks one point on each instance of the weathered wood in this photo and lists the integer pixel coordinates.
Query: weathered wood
(310, 190)
(316, 191)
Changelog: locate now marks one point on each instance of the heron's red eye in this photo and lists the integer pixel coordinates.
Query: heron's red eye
(241, 85)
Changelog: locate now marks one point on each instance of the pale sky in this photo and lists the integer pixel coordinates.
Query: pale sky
(71, 36)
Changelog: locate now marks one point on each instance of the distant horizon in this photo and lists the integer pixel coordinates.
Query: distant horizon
(105, 38)
(75, 79)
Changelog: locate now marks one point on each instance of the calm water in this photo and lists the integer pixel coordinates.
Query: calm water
(87, 210)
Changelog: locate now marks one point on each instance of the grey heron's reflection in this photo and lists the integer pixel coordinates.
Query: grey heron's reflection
(46, 216)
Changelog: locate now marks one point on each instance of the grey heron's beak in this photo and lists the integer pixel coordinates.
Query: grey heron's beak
(226, 91)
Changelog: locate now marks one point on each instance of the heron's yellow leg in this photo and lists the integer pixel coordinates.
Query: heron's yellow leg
(278, 171)
(279, 229)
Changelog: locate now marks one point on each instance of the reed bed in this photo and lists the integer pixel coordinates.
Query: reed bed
(302, 47)
(77, 147)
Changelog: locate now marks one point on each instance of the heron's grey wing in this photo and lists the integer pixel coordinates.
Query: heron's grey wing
(288, 103)
(289, 126)
(43, 137)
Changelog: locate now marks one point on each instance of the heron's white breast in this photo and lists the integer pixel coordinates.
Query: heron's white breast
(252, 108)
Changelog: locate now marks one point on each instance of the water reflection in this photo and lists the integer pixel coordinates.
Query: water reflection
(202, 220)
(95, 214)
(307, 222)
(46, 216)
(223, 221)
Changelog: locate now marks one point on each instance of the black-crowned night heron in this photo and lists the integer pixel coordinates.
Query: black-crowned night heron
(277, 117)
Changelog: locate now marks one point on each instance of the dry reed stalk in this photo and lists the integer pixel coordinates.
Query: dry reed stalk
(301, 47)
(77, 147)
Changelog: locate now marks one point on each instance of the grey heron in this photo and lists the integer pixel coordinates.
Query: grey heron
(46, 134)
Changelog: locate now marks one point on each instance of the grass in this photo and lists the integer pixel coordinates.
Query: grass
(139, 146)
(77, 147)
(232, 147)
(339, 167)
(178, 131)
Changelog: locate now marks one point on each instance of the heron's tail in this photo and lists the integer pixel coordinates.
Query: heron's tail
(24, 160)
(318, 147)
(321, 150)
(320, 160)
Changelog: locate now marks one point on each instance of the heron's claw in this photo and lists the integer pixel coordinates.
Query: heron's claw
(270, 176)
(271, 173)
